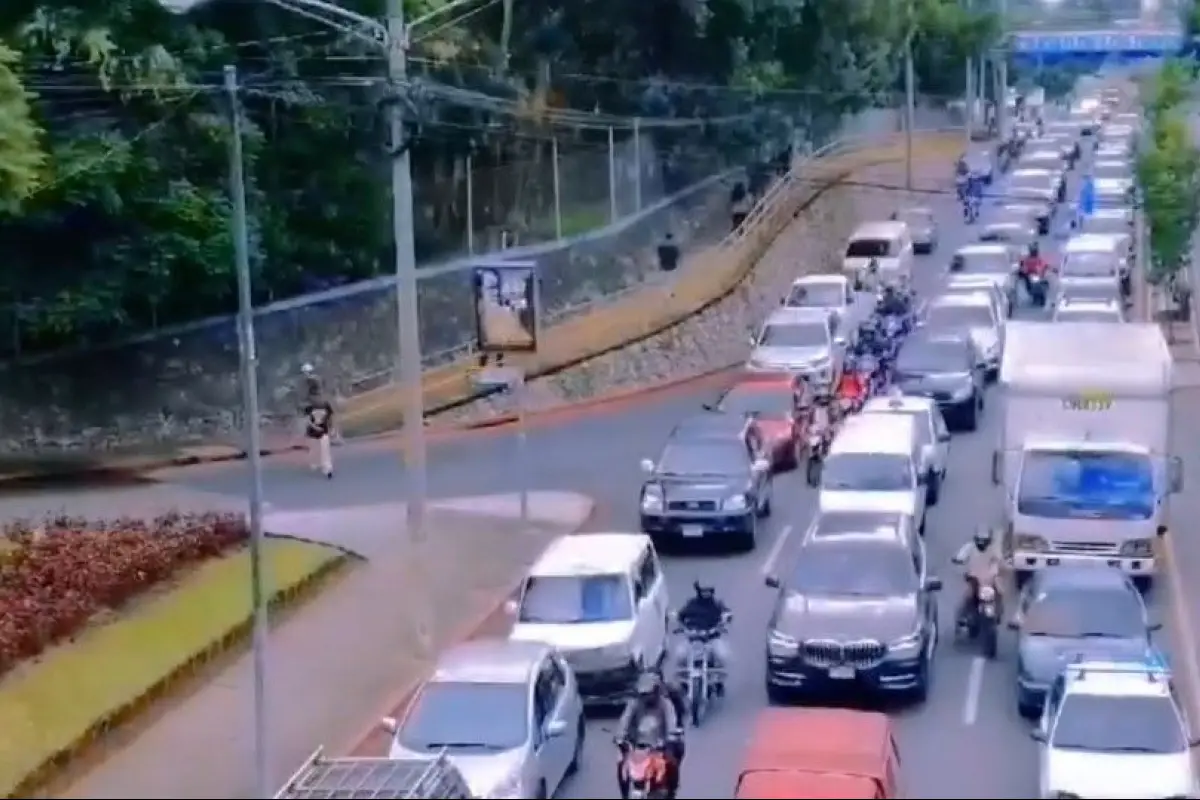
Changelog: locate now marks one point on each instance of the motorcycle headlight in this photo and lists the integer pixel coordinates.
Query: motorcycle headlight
(780, 644)
(652, 498)
(737, 502)
(906, 647)
(1027, 541)
(987, 594)
(1140, 548)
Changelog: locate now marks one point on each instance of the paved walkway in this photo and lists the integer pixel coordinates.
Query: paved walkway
(334, 664)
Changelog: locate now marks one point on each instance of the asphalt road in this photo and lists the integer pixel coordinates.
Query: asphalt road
(965, 741)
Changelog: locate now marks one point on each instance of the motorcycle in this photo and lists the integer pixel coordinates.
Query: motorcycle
(701, 679)
(981, 624)
(970, 209)
(1038, 288)
(645, 771)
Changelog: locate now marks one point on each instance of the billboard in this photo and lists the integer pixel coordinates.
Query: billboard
(507, 308)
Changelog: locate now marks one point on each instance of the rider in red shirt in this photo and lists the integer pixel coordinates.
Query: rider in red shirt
(851, 386)
(1033, 266)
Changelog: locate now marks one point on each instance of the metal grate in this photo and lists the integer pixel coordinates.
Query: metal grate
(369, 778)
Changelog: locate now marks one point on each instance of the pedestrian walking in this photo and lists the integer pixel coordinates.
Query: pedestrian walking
(668, 253)
(318, 419)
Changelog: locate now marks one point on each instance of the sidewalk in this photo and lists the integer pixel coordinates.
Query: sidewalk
(335, 664)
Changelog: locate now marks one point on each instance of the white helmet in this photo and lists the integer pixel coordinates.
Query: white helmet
(307, 368)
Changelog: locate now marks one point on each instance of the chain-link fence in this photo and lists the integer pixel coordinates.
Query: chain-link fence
(181, 385)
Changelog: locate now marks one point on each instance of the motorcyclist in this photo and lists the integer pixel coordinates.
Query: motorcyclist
(892, 303)
(704, 612)
(1032, 266)
(823, 415)
(653, 715)
(851, 387)
(982, 566)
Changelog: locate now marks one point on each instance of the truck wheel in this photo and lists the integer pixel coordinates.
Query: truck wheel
(971, 418)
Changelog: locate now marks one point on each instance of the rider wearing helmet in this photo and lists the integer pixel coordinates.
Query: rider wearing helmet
(655, 712)
(891, 302)
(823, 413)
(705, 613)
(982, 566)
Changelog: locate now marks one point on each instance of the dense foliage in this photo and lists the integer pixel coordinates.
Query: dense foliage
(113, 204)
(1169, 171)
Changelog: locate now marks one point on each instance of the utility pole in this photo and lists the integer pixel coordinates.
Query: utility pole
(1002, 74)
(407, 325)
(910, 96)
(969, 92)
(248, 373)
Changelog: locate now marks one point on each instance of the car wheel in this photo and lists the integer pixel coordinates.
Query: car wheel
(749, 538)
(777, 696)
(920, 692)
(971, 417)
(1028, 711)
(577, 753)
(933, 490)
(765, 509)
(542, 793)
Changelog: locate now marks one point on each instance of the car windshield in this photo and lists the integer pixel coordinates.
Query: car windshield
(860, 569)
(1089, 264)
(982, 263)
(953, 315)
(925, 356)
(867, 472)
(794, 334)
(1086, 315)
(816, 295)
(704, 458)
(1079, 612)
(768, 400)
(1105, 291)
(465, 717)
(1070, 484)
(1118, 724)
(570, 599)
(869, 248)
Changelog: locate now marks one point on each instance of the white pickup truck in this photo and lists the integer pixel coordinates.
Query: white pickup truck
(1084, 445)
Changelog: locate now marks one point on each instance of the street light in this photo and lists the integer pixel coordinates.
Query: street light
(392, 39)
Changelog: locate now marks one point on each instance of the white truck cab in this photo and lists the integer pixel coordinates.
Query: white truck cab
(875, 464)
(1084, 444)
(879, 253)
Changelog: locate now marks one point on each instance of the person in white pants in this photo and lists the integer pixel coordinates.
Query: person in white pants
(318, 415)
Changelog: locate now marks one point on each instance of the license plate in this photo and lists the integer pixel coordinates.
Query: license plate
(841, 673)
(1052, 562)
(693, 531)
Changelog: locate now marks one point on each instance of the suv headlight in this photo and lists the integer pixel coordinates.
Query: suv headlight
(906, 647)
(737, 502)
(652, 498)
(1026, 541)
(1142, 548)
(780, 644)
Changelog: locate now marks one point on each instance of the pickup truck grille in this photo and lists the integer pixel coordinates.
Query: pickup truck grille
(1086, 548)
(692, 505)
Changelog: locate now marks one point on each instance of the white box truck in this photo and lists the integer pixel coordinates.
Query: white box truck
(1084, 444)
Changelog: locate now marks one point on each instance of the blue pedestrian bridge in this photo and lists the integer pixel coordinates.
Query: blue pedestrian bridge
(1050, 47)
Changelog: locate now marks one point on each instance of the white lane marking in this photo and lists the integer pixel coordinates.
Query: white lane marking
(974, 687)
(776, 548)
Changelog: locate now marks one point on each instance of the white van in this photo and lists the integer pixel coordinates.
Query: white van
(879, 252)
(875, 464)
(1090, 262)
(600, 599)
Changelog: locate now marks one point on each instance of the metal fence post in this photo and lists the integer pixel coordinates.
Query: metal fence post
(637, 160)
(471, 205)
(558, 226)
(612, 175)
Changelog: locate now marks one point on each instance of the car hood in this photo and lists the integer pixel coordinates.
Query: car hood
(1119, 775)
(986, 338)
(684, 488)
(894, 502)
(921, 232)
(798, 357)
(846, 618)
(574, 636)
(1043, 657)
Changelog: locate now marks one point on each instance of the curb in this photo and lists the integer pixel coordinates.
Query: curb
(474, 627)
(282, 600)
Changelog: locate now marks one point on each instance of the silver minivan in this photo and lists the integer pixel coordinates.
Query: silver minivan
(875, 464)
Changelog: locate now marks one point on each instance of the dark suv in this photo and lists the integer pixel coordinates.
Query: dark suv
(857, 611)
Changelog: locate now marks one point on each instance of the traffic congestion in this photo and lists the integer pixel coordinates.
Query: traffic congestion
(909, 551)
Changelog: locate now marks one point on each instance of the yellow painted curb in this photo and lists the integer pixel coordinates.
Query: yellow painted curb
(282, 600)
(649, 312)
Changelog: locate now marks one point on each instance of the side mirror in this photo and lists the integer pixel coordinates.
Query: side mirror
(389, 725)
(647, 466)
(708, 406)
(771, 581)
(510, 607)
(1038, 735)
(933, 584)
(556, 728)
(1175, 474)
(997, 466)
(1154, 626)
(1160, 531)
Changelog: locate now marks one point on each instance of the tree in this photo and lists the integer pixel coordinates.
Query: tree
(1169, 174)
(21, 154)
(948, 33)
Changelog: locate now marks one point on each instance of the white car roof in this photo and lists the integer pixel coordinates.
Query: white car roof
(986, 248)
(1090, 243)
(821, 279)
(590, 554)
(1117, 679)
(796, 315)
(899, 403)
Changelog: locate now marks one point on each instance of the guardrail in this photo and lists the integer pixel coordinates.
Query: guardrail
(625, 323)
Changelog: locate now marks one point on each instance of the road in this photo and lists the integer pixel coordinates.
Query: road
(965, 741)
